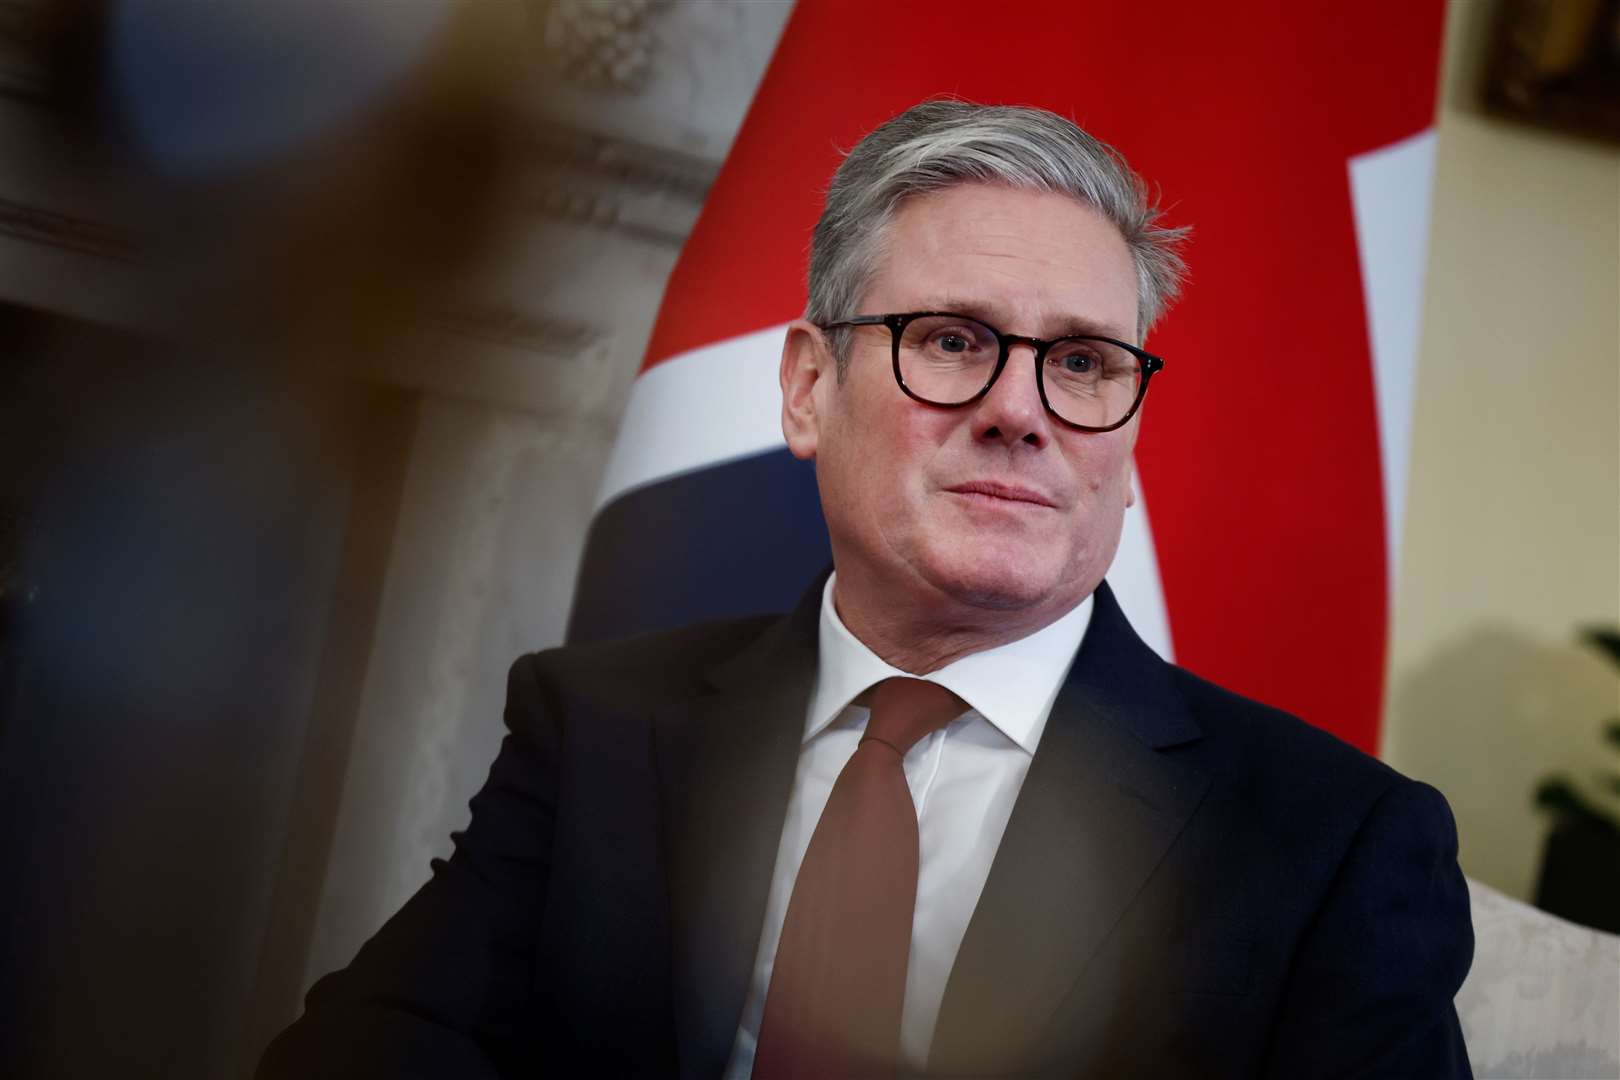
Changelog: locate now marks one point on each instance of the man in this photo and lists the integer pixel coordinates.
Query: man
(764, 848)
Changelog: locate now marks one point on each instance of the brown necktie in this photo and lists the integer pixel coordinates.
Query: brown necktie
(839, 981)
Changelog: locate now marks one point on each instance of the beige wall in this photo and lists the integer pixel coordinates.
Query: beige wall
(1512, 537)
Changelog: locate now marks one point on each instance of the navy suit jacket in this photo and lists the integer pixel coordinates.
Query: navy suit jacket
(1191, 884)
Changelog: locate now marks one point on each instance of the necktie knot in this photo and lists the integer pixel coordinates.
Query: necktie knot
(904, 711)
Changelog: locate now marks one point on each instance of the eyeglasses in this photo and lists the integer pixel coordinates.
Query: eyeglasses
(1088, 383)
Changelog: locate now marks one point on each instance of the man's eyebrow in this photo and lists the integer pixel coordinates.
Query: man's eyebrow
(1067, 326)
(1083, 327)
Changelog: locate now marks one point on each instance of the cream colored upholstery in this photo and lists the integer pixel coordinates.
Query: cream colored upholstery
(1543, 997)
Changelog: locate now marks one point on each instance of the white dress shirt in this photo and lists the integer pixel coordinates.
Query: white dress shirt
(964, 779)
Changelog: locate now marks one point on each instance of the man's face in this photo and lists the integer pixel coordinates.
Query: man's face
(996, 506)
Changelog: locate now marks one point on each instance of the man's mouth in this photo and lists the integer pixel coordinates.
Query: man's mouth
(994, 489)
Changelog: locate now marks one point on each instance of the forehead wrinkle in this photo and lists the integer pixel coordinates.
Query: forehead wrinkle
(1056, 317)
(1016, 250)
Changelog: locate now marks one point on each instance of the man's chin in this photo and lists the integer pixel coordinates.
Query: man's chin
(991, 587)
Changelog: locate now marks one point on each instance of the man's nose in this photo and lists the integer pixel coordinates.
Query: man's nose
(1012, 411)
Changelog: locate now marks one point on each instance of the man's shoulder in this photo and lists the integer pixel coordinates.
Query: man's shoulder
(651, 668)
(1301, 795)
(1214, 729)
(1266, 749)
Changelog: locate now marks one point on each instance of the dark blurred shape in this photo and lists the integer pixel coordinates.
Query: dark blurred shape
(1556, 63)
(182, 567)
(195, 512)
(1580, 868)
(1580, 873)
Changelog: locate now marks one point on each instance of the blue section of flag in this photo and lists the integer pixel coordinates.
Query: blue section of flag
(740, 538)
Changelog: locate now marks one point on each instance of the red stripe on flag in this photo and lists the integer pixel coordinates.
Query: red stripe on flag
(1259, 451)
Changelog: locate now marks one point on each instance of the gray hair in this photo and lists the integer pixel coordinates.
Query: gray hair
(944, 142)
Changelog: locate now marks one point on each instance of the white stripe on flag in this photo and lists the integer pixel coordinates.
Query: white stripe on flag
(699, 409)
(1390, 189)
(1134, 577)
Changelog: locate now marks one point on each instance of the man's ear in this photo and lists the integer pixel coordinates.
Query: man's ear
(807, 367)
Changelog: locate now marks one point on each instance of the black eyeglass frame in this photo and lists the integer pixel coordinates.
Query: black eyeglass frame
(897, 323)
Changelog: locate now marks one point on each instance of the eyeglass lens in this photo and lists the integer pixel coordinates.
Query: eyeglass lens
(947, 360)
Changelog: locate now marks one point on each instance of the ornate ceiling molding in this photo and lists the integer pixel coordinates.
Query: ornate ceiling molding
(526, 330)
(649, 193)
(599, 44)
(562, 146)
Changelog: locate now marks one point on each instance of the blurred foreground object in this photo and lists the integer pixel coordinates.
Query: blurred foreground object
(276, 196)
(1556, 64)
(317, 172)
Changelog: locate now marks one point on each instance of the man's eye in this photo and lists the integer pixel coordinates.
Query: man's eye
(953, 343)
(1079, 363)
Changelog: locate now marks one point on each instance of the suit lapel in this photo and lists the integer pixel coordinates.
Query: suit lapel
(726, 765)
(1097, 812)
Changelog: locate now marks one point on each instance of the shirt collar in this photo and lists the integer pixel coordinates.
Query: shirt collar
(1012, 686)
